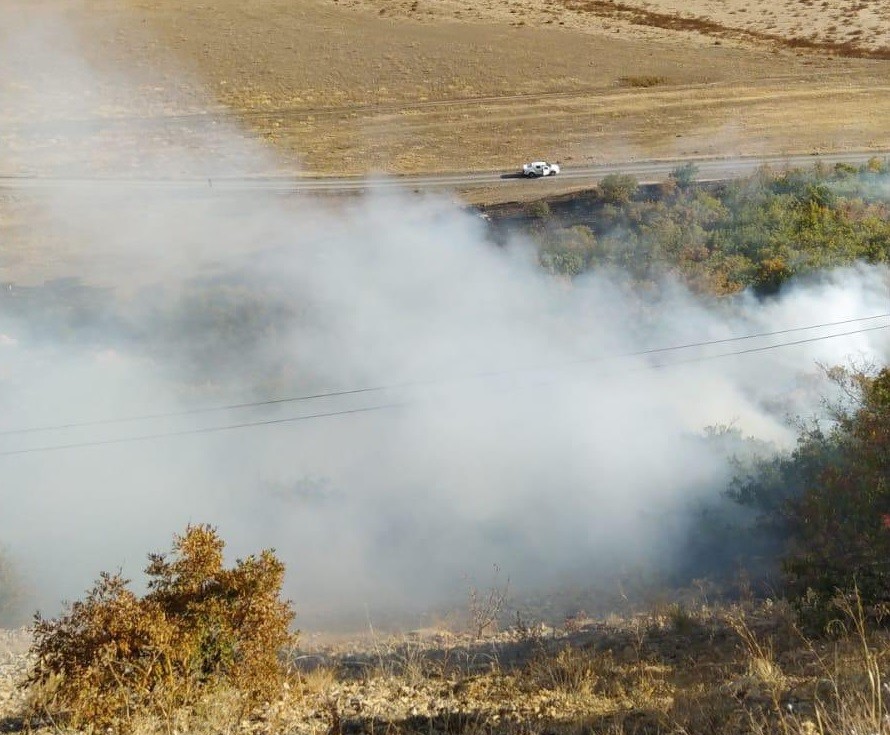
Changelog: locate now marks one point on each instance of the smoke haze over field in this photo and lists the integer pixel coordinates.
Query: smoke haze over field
(514, 440)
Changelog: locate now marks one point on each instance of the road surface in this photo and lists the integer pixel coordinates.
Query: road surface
(644, 171)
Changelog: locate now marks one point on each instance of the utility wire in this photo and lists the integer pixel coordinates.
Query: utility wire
(203, 430)
(421, 383)
(751, 350)
(389, 406)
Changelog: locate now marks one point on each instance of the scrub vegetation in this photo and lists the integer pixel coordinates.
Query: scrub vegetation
(776, 622)
(756, 232)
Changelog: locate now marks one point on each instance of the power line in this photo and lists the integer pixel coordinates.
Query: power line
(726, 340)
(203, 430)
(422, 383)
(389, 406)
(752, 350)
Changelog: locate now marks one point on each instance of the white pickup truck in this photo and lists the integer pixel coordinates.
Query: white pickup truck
(540, 168)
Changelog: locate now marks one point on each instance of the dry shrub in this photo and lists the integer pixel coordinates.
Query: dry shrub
(201, 629)
(487, 606)
(682, 620)
(642, 80)
(760, 657)
(572, 670)
(315, 681)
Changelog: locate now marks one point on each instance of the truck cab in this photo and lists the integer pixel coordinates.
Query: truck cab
(539, 168)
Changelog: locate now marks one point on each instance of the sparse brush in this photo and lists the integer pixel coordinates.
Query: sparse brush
(644, 80)
(314, 681)
(682, 620)
(486, 607)
(859, 688)
(405, 659)
(571, 670)
(765, 670)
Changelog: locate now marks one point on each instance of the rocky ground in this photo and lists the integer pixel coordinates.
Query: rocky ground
(13, 666)
(703, 670)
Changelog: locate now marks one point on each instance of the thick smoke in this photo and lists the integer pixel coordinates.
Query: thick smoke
(509, 430)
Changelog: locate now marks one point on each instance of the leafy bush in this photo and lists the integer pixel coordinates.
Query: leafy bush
(568, 251)
(721, 238)
(539, 210)
(877, 165)
(830, 500)
(840, 525)
(771, 274)
(618, 188)
(199, 629)
(685, 175)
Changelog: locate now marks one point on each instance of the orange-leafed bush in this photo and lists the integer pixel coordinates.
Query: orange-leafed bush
(201, 627)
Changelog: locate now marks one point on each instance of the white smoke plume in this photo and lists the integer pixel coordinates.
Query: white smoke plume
(510, 432)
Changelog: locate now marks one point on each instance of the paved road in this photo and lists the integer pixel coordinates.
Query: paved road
(644, 171)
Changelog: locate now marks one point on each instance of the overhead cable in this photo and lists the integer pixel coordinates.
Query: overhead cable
(422, 383)
(388, 406)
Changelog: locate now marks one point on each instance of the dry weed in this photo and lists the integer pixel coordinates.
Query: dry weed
(642, 81)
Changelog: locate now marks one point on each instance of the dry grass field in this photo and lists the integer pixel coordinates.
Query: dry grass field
(352, 86)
